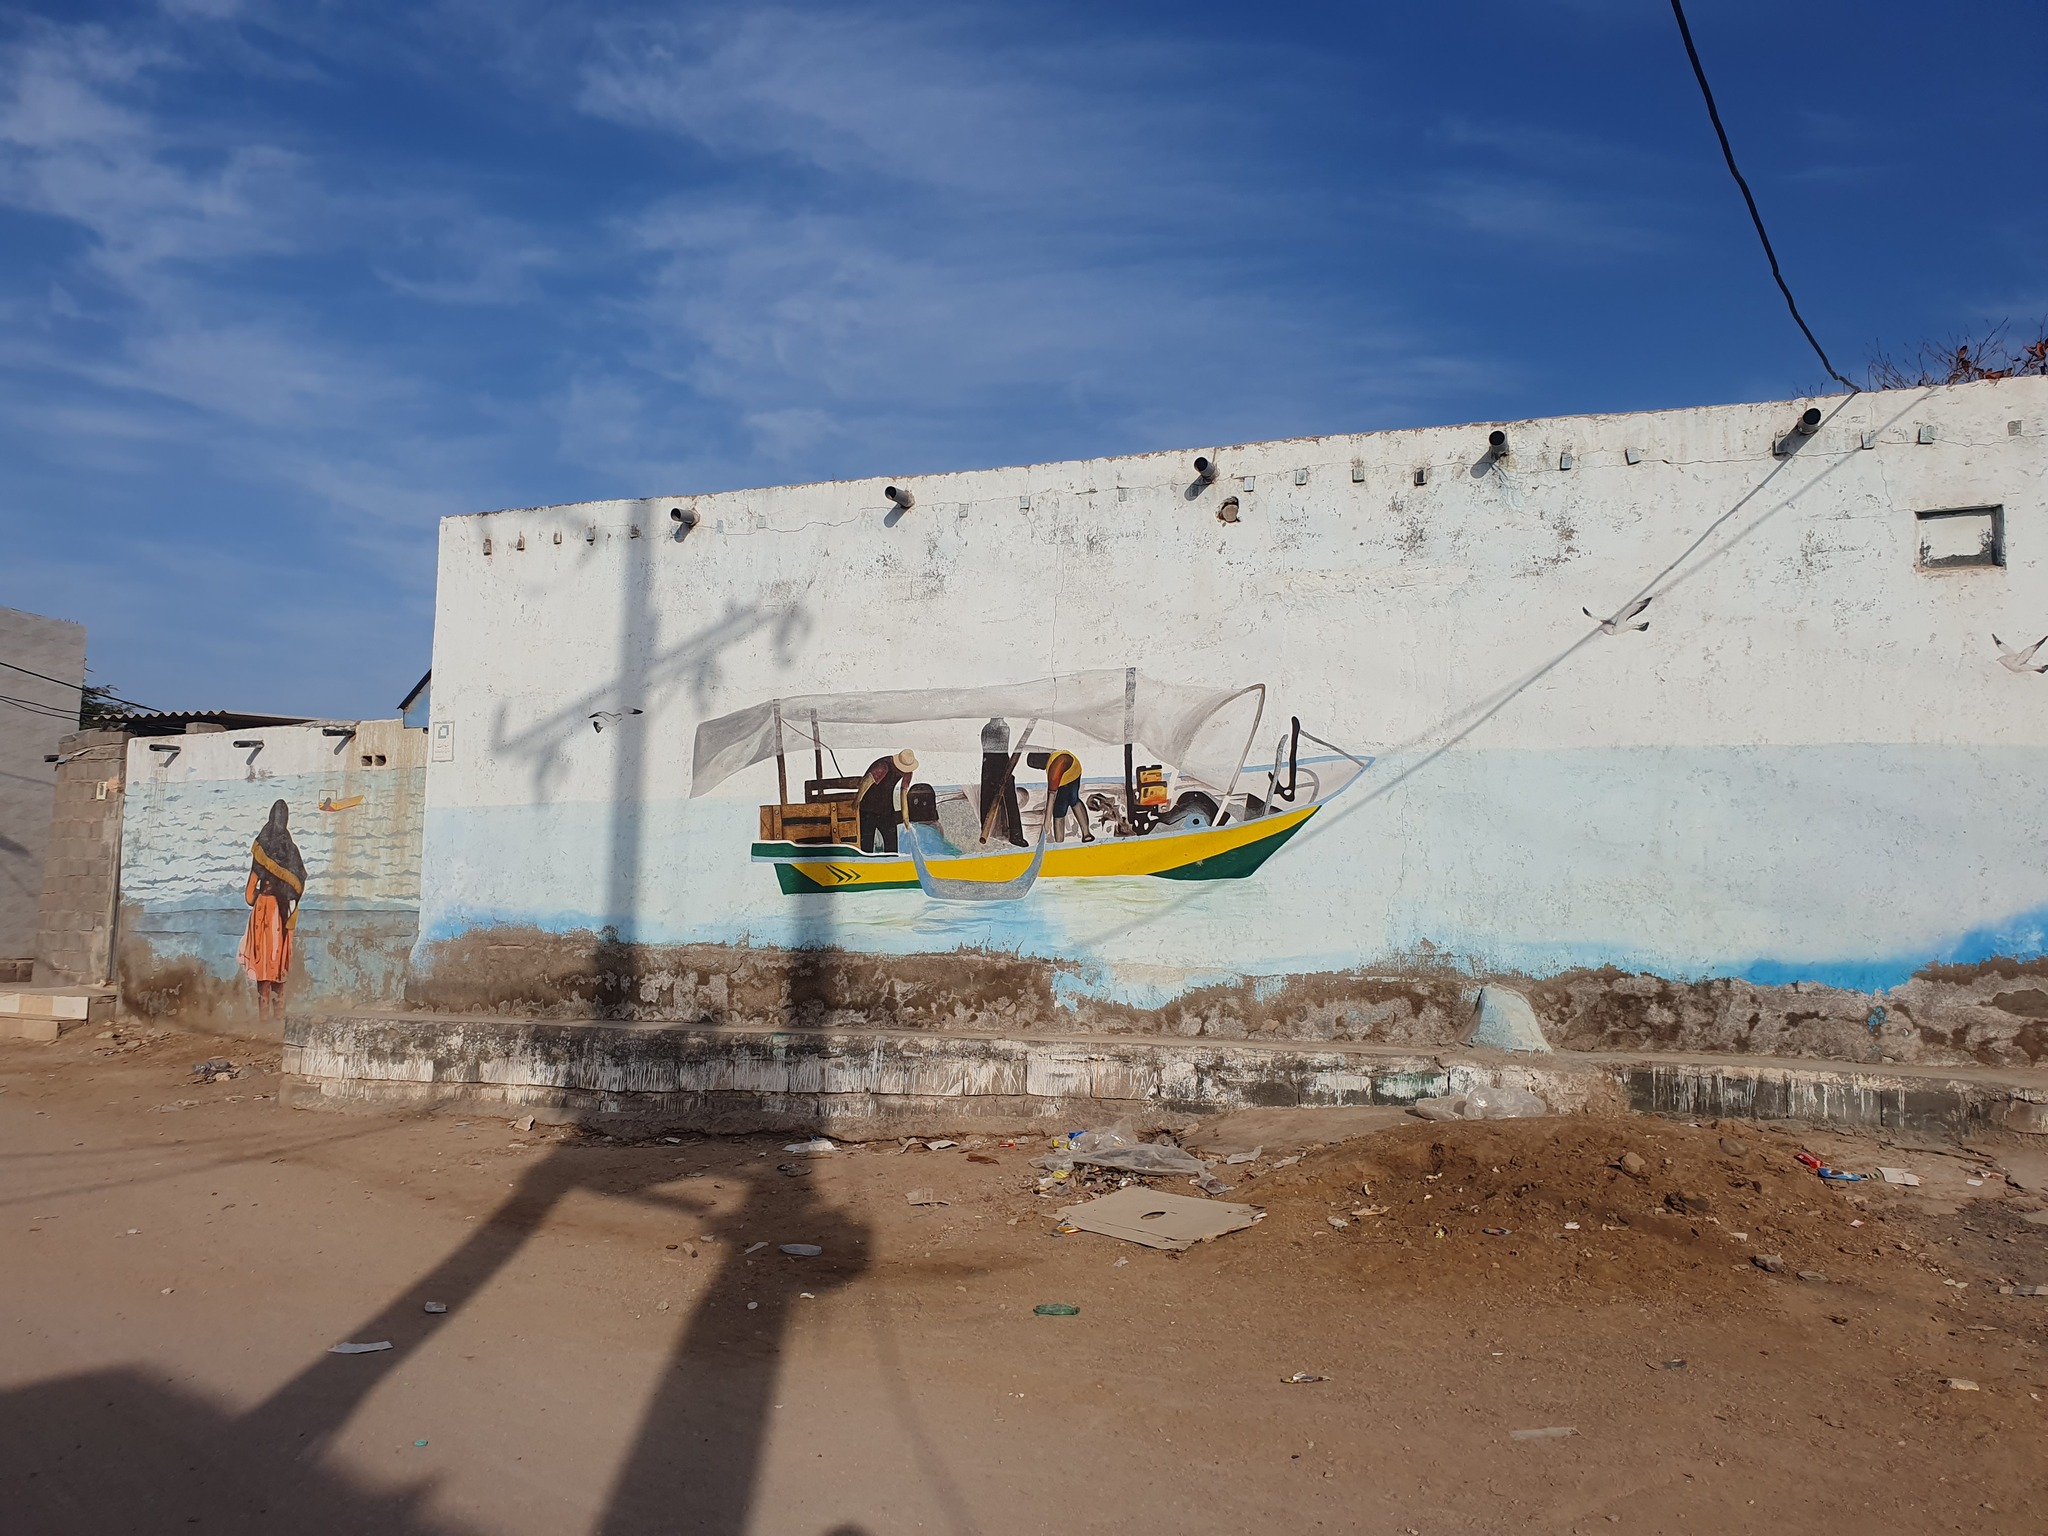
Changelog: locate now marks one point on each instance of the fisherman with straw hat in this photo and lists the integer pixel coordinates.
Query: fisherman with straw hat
(881, 811)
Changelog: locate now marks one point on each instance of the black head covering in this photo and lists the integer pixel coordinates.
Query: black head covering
(276, 841)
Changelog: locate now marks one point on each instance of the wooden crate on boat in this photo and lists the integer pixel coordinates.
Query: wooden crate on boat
(820, 821)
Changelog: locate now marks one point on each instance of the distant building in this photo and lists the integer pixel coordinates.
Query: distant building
(42, 672)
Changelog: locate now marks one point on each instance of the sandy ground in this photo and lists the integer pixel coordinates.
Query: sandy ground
(176, 1258)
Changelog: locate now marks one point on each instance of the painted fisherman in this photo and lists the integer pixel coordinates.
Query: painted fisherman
(999, 814)
(1063, 790)
(277, 881)
(881, 810)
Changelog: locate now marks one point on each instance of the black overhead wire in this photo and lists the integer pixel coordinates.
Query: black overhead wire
(45, 677)
(1756, 218)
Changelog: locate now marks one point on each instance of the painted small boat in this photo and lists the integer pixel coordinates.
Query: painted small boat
(1195, 814)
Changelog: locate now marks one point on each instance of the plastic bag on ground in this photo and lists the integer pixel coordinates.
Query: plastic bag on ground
(1118, 1147)
(1451, 1107)
(1503, 1104)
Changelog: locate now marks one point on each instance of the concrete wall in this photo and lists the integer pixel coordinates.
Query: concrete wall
(82, 870)
(195, 805)
(35, 714)
(1800, 813)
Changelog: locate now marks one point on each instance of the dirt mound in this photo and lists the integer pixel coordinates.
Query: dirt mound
(1628, 1204)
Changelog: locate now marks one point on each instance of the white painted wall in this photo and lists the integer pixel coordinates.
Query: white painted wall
(1810, 766)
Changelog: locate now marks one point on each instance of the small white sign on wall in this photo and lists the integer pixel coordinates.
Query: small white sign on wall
(444, 741)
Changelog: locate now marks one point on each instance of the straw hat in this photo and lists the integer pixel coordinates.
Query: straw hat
(906, 760)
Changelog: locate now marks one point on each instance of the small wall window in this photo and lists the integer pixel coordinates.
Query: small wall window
(1963, 536)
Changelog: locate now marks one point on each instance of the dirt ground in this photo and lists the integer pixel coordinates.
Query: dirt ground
(619, 1356)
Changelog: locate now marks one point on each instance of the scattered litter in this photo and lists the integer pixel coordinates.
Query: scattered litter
(523, 1123)
(1288, 1162)
(1175, 1222)
(436, 1307)
(794, 1170)
(419, 1445)
(1496, 1231)
(1813, 1275)
(358, 1349)
(1898, 1176)
(2023, 1290)
(216, 1067)
(1974, 1182)
(755, 1249)
(753, 1306)
(805, 1296)
(925, 1197)
(1857, 1222)
(1338, 1222)
(1363, 1212)
(1571, 1226)
(1769, 1262)
(1961, 1384)
(671, 1141)
(939, 1146)
(1120, 1263)
(1246, 1157)
(165, 1291)
(1302, 1379)
(1483, 1103)
(1558, 1433)
(817, 1146)
(1834, 1174)
(1057, 1309)
(802, 1250)
(1118, 1147)
(1667, 1365)
(1209, 1184)
(1065, 1229)
(1961, 1285)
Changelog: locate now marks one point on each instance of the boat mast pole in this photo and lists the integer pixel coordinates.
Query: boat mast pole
(817, 744)
(1131, 812)
(781, 764)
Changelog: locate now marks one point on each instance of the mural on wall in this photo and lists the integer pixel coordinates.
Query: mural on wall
(1198, 813)
(275, 887)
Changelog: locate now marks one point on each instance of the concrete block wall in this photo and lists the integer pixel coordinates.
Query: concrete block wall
(82, 868)
(35, 714)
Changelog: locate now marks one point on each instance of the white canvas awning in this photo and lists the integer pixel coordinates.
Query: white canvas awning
(1189, 727)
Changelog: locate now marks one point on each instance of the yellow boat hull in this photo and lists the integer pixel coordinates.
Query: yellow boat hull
(1216, 853)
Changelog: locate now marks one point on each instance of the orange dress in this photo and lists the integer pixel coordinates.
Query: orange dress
(266, 952)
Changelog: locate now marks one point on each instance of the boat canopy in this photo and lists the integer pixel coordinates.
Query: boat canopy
(1112, 705)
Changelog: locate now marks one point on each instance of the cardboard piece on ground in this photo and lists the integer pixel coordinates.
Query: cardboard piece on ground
(1899, 1176)
(1175, 1222)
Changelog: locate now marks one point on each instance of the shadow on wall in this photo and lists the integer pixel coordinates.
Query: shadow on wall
(109, 1451)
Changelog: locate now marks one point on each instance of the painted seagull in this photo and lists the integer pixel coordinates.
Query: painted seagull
(1620, 621)
(605, 717)
(2014, 660)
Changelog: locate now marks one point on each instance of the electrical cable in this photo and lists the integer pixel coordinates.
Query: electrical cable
(1756, 218)
(82, 688)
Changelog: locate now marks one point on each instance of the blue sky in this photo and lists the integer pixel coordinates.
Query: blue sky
(285, 283)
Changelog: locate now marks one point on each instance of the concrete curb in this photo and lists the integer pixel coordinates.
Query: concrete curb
(855, 1083)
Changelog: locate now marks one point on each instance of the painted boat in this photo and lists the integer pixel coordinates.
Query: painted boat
(1228, 852)
(1194, 814)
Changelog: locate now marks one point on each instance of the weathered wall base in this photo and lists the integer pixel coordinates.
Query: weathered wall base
(1990, 1014)
(861, 1083)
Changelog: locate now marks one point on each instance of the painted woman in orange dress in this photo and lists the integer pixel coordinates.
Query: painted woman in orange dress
(277, 880)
